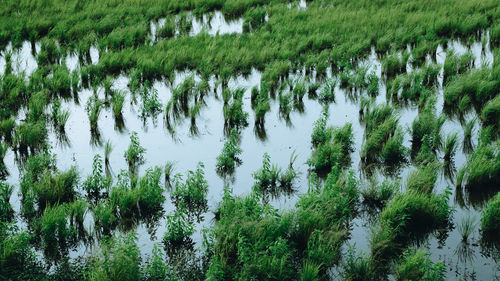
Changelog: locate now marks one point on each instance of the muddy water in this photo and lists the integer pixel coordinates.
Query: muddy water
(282, 139)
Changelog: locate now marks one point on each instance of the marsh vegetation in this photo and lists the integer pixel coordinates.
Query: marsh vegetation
(249, 140)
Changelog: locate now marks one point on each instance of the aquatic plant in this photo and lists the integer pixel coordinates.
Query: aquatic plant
(482, 168)
(412, 213)
(468, 132)
(97, 184)
(191, 194)
(378, 194)
(357, 267)
(427, 123)
(150, 191)
(327, 92)
(490, 114)
(178, 231)
(423, 179)
(415, 264)
(93, 108)
(467, 227)
(450, 147)
(108, 148)
(117, 100)
(6, 210)
(168, 169)
(228, 158)
(104, 216)
(134, 155)
(55, 188)
(394, 151)
(490, 219)
(55, 231)
(118, 258)
(234, 115)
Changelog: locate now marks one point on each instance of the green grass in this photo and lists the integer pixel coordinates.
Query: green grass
(6, 210)
(467, 227)
(415, 264)
(450, 147)
(412, 213)
(490, 221)
(228, 159)
(118, 258)
(378, 194)
(96, 184)
(134, 155)
(423, 179)
(191, 193)
(482, 167)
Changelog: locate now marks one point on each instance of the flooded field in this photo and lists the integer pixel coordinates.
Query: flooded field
(373, 167)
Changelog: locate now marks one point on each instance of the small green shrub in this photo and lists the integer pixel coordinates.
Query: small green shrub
(191, 194)
(178, 231)
(134, 155)
(97, 184)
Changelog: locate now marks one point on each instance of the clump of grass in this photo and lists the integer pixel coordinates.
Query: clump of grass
(482, 168)
(118, 258)
(55, 188)
(178, 231)
(104, 215)
(117, 100)
(262, 106)
(270, 179)
(151, 105)
(333, 145)
(327, 92)
(393, 65)
(376, 139)
(394, 151)
(357, 267)
(490, 220)
(450, 147)
(6, 210)
(467, 227)
(427, 124)
(412, 213)
(228, 159)
(490, 115)
(378, 194)
(55, 231)
(456, 64)
(234, 115)
(415, 264)
(97, 184)
(191, 194)
(93, 108)
(423, 179)
(468, 132)
(309, 271)
(134, 155)
(168, 169)
(108, 148)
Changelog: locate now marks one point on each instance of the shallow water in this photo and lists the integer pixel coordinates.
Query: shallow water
(282, 139)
